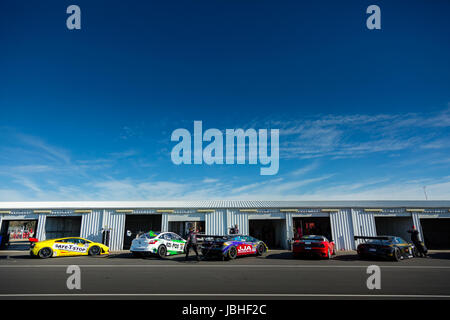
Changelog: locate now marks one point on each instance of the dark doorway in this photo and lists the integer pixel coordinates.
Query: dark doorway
(436, 233)
(62, 227)
(320, 226)
(15, 234)
(269, 231)
(182, 227)
(394, 226)
(136, 224)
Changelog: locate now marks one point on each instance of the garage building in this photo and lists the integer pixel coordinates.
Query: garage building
(275, 222)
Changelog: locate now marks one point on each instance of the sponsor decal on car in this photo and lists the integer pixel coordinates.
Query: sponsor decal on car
(69, 247)
(245, 249)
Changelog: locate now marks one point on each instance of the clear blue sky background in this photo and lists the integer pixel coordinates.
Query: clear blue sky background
(88, 114)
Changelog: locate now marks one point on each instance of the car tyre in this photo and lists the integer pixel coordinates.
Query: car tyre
(94, 251)
(396, 254)
(260, 250)
(232, 253)
(162, 251)
(45, 253)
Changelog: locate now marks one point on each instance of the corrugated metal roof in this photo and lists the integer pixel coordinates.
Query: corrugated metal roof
(217, 204)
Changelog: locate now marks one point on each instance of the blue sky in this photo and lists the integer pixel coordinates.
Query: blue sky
(88, 114)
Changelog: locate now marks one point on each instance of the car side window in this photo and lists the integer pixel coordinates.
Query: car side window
(167, 236)
(76, 241)
(175, 236)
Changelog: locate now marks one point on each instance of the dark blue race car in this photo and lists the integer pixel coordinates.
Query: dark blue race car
(231, 246)
(387, 247)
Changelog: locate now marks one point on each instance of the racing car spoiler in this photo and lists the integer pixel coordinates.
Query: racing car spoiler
(371, 238)
(209, 236)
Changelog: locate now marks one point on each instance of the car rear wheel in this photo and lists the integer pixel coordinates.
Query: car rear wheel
(260, 250)
(94, 251)
(45, 253)
(162, 251)
(232, 253)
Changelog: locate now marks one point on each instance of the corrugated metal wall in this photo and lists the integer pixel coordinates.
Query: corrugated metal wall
(416, 220)
(342, 229)
(165, 222)
(215, 222)
(240, 218)
(91, 227)
(289, 229)
(40, 232)
(363, 224)
(116, 222)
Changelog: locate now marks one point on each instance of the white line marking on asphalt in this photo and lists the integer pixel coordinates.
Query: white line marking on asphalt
(214, 266)
(223, 295)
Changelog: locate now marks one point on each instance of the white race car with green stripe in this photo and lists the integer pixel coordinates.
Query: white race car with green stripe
(160, 244)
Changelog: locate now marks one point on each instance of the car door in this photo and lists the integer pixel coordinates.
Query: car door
(77, 247)
(166, 239)
(178, 243)
(60, 247)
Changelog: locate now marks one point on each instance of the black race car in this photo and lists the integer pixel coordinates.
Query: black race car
(387, 247)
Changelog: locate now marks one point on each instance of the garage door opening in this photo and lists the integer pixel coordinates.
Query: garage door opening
(15, 234)
(182, 227)
(436, 233)
(62, 227)
(394, 226)
(139, 223)
(320, 226)
(269, 231)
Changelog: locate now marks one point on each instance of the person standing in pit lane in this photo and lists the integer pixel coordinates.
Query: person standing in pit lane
(421, 249)
(191, 243)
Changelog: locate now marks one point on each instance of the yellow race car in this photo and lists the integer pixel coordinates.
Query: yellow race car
(64, 247)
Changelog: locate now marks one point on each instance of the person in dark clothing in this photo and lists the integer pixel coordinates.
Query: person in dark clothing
(422, 251)
(192, 243)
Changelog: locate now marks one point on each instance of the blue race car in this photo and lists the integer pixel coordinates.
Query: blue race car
(231, 246)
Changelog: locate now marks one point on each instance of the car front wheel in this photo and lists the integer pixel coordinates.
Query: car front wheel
(260, 250)
(94, 251)
(396, 254)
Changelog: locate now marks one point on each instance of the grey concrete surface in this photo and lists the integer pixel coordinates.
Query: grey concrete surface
(273, 276)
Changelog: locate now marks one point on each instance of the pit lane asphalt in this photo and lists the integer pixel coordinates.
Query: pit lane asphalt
(273, 276)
